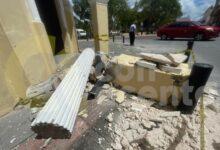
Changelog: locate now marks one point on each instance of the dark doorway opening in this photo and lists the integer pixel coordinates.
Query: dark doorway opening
(48, 13)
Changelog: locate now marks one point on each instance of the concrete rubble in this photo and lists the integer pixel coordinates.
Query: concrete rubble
(158, 58)
(138, 122)
(141, 123)
(146, 64)
(177, 59)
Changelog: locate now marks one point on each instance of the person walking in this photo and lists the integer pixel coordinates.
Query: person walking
(132, 34)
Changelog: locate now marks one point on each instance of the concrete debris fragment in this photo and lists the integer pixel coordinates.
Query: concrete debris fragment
(12, 140)
(101, 99)
(137, 107)
(92, 75)
(177, 58)
(125, 125)
(109, 118)
(170, 69)
(119, 96)
(116, 146)
(44, 87)
(134, 125)
(170, 114)
(46, 142)
(157, 58)
(148, 125)
(211, 104)
(146, 64)
(211, 91)
(106, 86)
(100, 140)
(125, 143)
(168, 130)
(131, 135)
(35, 110)
(134, 97)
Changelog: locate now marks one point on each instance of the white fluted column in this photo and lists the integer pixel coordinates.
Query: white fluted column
(58, 116)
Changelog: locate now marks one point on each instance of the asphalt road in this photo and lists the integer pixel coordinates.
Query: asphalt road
(205, 51)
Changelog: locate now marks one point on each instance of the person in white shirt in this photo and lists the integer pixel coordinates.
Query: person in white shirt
(132, 34)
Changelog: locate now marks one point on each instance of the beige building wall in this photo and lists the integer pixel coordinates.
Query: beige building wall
(13, 81)
(26, 56)
(100, 25)
(28, 39)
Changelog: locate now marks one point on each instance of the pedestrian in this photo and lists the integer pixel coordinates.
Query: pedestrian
(132, 34)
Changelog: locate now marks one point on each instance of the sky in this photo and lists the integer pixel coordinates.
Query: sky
(192, 9)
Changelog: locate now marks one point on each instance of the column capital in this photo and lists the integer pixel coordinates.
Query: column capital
(98, 1)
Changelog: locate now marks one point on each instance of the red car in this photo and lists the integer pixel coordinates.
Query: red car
(217, 28)
(188, 29)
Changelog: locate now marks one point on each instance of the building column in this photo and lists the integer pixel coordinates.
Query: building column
(17, 21)
(13, 79)
(100, 25)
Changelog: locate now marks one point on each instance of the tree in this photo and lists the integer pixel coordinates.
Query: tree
(117, 10)
(159, 12)
(82, 8)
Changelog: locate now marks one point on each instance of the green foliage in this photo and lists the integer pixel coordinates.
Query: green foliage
(117, 10)
(153, 12)
(82, 8)
(159, 12)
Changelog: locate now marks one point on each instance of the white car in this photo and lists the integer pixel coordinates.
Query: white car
(81, 33)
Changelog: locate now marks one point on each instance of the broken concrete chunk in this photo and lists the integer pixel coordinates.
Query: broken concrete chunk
(131, 135)
(125, 125)
(157, 58)
(211, 91)
(177, 58)
(109, 118)
(92, 75)
(134, 97)
(120, 96)
(137, 107)
(134, 125)
(44, 87)
(125, 143)
(106, 86)
(170, 69)
(213, 107)
(146, 64)
(116, 146)
(101, 99)
(168, 130)
(148, 125)
(170, 114)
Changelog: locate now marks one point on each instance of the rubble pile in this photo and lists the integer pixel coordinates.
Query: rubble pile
(138, 122)
(143, 124)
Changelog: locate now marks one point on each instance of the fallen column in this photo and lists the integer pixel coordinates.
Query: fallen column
(58, 116)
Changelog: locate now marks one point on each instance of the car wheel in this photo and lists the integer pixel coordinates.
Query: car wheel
(199, 37)
(164, 37)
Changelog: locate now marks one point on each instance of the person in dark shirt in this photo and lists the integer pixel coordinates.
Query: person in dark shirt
(132, 34)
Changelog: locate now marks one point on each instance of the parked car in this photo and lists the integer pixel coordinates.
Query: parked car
(217, 28)
(187, 29)
(81, 33)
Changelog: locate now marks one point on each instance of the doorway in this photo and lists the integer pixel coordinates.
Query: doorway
(48, 13)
